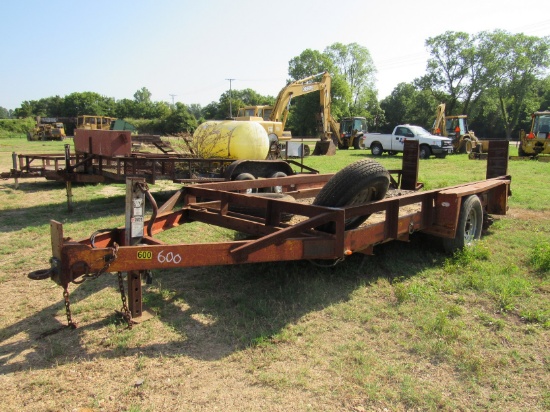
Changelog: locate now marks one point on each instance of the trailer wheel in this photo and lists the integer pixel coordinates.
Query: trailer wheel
(277, 189)
(260, 212)
(470, 224)
(247, 176)
(358, 183)
(376, 149)
(425, 152)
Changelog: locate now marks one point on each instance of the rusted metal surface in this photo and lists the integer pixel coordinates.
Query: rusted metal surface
(109, 143)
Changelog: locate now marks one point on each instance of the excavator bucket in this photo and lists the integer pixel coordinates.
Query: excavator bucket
(324, 148)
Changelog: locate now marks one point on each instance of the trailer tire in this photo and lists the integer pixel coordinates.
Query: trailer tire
(376, 149)
(260, 212)
(425, 152)
(358, 183)
(247, 176)
(277, 189)
(470, 225)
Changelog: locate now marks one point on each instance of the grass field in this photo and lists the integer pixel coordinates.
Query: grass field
(409, 328)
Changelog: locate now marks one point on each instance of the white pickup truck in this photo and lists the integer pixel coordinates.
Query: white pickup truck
(393, 143)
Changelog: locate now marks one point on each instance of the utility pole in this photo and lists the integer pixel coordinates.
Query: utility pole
(230, 99)
(173, 95)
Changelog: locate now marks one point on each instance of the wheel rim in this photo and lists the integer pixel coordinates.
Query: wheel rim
(376, 150)
(470, 228)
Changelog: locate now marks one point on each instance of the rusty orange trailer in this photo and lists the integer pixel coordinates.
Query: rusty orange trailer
(278, 229)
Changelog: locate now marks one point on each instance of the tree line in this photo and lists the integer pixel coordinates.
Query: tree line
(496, 78)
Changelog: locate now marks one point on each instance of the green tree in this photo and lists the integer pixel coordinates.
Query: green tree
(143, 95)
(180, 120)
(90, 103)
(408, 104)
(522, 61)
(4, 113)
(354, 62)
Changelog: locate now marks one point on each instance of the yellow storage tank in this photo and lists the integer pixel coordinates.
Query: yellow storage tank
(231, 139)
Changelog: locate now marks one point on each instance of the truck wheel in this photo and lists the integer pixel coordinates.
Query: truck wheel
(358, 183)
(376, 149)
(470, 223)
(260, 212)
(247, 176)
(425, 152)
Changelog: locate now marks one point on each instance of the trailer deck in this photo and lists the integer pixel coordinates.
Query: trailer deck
(247, 207)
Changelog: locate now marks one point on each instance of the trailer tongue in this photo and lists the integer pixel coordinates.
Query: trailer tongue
(331, 231)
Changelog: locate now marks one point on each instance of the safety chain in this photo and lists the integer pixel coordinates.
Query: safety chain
(126, 314)
(70, 321)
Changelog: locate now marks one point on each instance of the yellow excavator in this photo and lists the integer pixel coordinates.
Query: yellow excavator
(273, 118)
(456, 128)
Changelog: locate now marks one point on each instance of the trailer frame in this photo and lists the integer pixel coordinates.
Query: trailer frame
(270, 237)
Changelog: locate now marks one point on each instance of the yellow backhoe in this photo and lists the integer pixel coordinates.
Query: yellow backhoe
(456, 128)
(537, 141)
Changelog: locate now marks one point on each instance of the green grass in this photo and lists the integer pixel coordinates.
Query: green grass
(408, 328)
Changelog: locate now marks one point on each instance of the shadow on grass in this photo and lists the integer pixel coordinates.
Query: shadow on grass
(12, 220)
(216, 311)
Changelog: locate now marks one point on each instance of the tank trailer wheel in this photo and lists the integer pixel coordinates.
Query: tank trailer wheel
(247, 176)
(277, 189)
(470, 224)
(358, 183)
(376, 149)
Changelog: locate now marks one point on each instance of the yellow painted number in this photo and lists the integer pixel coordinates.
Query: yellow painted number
(144, 254)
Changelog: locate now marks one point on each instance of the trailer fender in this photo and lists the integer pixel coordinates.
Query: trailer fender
(358, 183)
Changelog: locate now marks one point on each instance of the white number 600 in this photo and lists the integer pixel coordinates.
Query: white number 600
(169, 257)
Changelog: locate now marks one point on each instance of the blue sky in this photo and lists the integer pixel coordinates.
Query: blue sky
(189, 48)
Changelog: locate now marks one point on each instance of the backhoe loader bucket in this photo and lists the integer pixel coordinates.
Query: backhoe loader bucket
(324, 148)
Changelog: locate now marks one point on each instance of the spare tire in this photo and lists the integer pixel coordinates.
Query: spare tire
(358, 183)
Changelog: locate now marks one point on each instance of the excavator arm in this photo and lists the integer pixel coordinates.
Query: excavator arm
(295, 89)
(305, 86)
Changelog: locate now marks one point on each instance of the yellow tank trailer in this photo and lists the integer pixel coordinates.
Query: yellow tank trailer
(231, 139)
